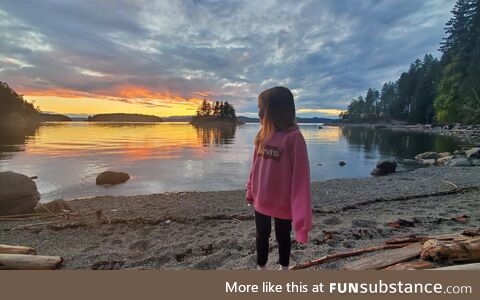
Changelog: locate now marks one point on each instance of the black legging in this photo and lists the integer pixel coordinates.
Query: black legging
(282, 233)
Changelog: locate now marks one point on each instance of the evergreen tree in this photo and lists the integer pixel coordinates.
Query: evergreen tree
(456, 93)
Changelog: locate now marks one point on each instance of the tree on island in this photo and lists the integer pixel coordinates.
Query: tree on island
(215, 111)
(445, 90)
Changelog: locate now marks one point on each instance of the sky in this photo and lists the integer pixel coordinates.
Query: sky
(164, 57)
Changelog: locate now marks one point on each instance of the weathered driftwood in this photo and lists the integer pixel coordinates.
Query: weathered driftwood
(9, 249)
(452, 251)
(471, 232)
(417, 265)
(422, 239)
(335, 256)
(386, 259)
(29, 262)
(475, 266)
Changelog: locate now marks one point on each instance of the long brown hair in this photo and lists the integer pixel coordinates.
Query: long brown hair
(278, 110)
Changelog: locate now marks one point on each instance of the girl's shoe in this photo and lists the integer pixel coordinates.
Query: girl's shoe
(262, 268)
(282, 268)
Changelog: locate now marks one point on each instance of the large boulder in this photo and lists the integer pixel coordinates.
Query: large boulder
(473, 153)
(111, 177)
(384, 167)
(18, 194)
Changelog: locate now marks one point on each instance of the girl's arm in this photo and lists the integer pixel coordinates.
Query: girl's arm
(248, 186)
(301, 197)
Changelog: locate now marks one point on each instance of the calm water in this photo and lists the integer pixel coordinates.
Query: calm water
(163, 157)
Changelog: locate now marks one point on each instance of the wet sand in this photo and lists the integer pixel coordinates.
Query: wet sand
(215, 230)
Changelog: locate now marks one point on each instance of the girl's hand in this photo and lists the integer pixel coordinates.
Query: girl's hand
(249, 200)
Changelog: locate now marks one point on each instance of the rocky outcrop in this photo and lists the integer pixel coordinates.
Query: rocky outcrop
(18, 194)
(111, 177)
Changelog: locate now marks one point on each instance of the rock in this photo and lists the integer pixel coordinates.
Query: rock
(408, 161)
(459, 153)
(110, 177)
(320, 127)
(444, 154)
(384, 167)
(428, 162)
(473, 153)
(443, 160)
(459, 162)
(475, 162)
(342, 163)
(427, 155)
(58, 205)
(18, 194)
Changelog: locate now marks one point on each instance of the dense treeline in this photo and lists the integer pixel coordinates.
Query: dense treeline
(433, 90)
(215, 111)
(13, 104)
(120, 117)
(18, 118)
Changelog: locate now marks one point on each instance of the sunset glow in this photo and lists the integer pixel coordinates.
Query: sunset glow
(128, 99)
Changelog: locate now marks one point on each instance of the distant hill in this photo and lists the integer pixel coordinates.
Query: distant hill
(299, 120)
(123, 118)
(53, 118)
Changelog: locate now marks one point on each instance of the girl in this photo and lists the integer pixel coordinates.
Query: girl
(279, 181)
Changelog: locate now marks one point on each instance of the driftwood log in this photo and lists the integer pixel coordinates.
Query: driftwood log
(386, 259)
(475, 266)
(29, 262)
(335, 256)
(417, 265)
(9, 249)
(452, 251)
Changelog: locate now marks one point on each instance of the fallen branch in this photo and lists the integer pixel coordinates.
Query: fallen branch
(451, 183)
(39, 224)
(335, 256)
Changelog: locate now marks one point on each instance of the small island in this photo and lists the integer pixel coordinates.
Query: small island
(215, 114)
(120, 117)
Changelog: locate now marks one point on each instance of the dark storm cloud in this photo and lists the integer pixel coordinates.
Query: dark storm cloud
(326, 51)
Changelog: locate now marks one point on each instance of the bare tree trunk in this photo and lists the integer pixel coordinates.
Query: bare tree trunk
(29, 262)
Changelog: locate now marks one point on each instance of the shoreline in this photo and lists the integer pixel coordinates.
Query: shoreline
(469, 134)
(215, 230)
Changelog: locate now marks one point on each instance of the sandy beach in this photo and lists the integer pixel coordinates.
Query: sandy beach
(215, 230)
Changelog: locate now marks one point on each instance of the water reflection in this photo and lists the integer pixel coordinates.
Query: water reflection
(14, 141)
(215, 136)
(176, 156)
(393, 143)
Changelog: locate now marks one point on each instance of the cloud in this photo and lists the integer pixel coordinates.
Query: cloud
(168, 51)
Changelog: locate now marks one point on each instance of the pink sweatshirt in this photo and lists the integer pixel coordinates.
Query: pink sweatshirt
(279, 181)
